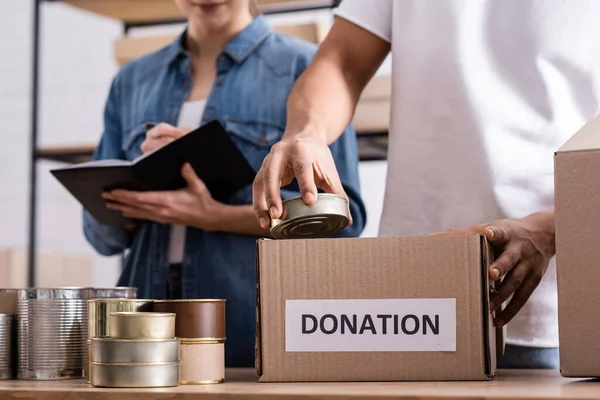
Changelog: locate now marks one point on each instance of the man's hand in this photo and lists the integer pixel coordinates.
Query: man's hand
(191, 206)
(306, 158)
(525, 246)
(161, 135)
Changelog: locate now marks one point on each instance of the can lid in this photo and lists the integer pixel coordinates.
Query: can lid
(328, 215)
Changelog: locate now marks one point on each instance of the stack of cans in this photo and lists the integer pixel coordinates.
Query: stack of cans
(7, 353)
(142, 351)
(200, 324)
(99, 310)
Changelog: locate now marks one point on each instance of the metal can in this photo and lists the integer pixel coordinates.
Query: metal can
(7, 339)
(134, 375)
(134, 351)
(328, 215)
(196, 318)
(52, 333)
(99, 312)
(202, 362)
(115, 293)
(142, 325)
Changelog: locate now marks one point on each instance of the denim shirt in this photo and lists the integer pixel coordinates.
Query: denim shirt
(255, 74)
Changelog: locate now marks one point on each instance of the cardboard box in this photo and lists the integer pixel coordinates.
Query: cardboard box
(577, 208)
(52, 269)
(312, 32)
(372, 112)
(374, 309)
(130, 48)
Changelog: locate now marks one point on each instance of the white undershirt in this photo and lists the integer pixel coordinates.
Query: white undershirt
(484, 92)
(189, 117)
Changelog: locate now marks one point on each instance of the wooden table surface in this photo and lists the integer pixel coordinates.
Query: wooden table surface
(242, 384)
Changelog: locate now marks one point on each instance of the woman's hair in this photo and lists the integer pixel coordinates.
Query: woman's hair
(254, 8)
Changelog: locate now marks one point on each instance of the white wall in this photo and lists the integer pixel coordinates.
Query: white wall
(76, 69)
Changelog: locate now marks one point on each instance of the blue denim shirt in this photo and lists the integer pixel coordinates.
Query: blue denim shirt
(255, 74)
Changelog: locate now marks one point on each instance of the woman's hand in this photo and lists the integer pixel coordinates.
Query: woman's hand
(161, 135)
(191, 206)
(524, 247)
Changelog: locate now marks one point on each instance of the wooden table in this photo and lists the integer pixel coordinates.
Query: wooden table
(241, 384)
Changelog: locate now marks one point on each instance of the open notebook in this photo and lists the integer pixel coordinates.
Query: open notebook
(209, 149)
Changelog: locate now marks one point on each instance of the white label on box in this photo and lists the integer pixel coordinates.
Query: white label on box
(370, 325)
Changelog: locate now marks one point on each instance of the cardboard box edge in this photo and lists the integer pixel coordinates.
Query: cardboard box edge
(489, 367)
(258, 338)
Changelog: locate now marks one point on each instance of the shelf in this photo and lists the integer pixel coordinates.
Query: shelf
(67, 154)
(371, 146)
(143, 12)
(131, 11)
(284, 6)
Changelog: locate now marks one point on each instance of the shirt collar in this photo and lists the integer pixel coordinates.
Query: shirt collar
(238, 48)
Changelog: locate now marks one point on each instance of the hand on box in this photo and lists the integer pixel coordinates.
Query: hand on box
(191, 206)
(524, 248)
(306, 158)
(161, 135)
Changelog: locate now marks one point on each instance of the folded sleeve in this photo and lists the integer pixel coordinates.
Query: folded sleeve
(374, 16)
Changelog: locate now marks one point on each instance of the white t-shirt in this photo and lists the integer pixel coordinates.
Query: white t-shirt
(484, 92)
(190, 117)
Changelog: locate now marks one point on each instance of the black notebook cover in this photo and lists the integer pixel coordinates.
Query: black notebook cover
(209, 149)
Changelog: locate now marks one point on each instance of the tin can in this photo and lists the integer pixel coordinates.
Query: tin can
(7, 348)
(99, 312)
(115, 293)
(196, 319)
(330, 214)
(52, 333)
(134, 375)
(142, 325)
(202, 362)
(134, 351)
(87, 361)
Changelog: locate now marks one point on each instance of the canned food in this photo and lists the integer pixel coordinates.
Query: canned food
(134, 351)
(202, 362)
(142, 325)
(115, 293)
(7, 348)
(99, 311)
(196, 319)
(134, 375)
(52, 333)
(328, 215)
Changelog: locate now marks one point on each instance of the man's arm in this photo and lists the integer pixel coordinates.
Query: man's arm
(320, 107)
(324, 98)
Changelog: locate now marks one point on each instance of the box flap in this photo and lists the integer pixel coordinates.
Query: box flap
(586, 138)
